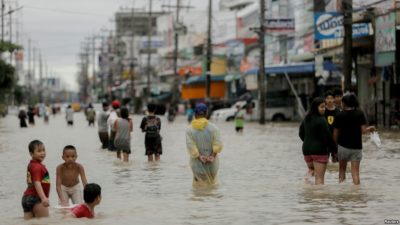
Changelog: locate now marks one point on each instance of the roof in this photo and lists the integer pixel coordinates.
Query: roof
(202, 79)
(298, 68)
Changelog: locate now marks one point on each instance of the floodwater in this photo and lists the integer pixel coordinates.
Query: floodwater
(261, 178)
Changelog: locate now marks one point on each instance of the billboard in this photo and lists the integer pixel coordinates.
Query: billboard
(385, 38)
(280, 26)
(330, 26)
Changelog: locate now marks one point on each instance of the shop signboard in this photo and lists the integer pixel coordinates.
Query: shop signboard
(385, 39)
(279, 26)
(329, 25)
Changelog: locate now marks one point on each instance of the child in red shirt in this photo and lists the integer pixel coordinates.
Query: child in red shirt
(92, 197)
(35, 200)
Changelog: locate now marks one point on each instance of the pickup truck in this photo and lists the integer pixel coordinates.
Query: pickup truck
(251, 110)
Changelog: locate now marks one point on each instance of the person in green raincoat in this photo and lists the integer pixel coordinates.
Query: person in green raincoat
(203, 143)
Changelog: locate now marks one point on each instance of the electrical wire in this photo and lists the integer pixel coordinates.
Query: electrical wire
(64, 11)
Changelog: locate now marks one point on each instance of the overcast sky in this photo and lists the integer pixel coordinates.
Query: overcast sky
(58, 27)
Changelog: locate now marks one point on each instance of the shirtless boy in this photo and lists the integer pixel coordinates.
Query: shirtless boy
(67, 177)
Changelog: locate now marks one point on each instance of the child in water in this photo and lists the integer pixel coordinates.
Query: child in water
(92, 197)
(67, 178)
(35, 200)
(239, 119)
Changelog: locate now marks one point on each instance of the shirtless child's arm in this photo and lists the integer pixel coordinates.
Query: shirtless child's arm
(83, 175)
(63, 202)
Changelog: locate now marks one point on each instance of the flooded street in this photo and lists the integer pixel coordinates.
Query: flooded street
(261, 178)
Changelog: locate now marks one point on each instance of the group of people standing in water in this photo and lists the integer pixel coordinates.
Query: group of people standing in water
(333, 128)
(202, 138)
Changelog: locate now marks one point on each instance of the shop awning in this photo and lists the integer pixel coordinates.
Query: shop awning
(202, 79)
(162, 97)
(299, 68)
(232, 77)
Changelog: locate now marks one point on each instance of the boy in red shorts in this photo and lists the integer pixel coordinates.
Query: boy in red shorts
(35, 201)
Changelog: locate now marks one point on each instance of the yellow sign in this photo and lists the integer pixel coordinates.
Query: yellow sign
(218, 66)
(126, 74)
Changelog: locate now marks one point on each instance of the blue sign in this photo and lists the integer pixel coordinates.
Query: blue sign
(330, 26)
(153, 44)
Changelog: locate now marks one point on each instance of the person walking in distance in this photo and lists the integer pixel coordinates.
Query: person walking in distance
(122, 129)
(151, 126)
(69, 116)
(114, 114)
(102, 126)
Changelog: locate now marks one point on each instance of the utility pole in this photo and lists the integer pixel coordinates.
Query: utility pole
(347, 42)
(209, 52)
(132, 64)
(176, 47)
(177, 27)
(33, 62)
(94, 63)
(11, 53)
(133, 59)
(40, 78)
(261, 70)
(149, 34)
(11, 59)
(29, 74)
(2, 19)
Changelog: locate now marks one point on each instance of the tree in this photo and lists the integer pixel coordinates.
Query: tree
(7, 74)
(7, 78)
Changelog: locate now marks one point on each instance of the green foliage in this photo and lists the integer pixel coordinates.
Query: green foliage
(7, 46)
(7, 72)
(7, 78)
(19, 94)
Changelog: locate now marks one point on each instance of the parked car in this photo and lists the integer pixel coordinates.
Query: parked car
(227, 114)
(273, 111)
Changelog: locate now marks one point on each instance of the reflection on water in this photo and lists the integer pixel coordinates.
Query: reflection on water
(206, 192)
(260, 178)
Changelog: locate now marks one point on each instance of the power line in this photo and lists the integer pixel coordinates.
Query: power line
(65, 11)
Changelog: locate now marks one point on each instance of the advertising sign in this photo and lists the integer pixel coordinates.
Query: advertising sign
(153, 44)
(385, 39)
(279, 25)
(330, 26)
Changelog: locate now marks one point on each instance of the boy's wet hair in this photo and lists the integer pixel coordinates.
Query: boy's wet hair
(337, 92)
(33, 145)
(69, 147)
(329, 93)
(105, 104)
(152, 107)
(91, 192)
